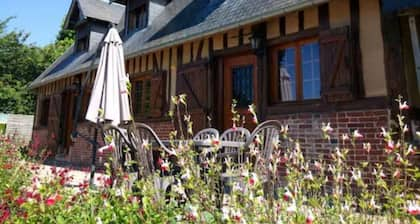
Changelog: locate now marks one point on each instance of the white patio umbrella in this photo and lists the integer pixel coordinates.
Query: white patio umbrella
(109, 99)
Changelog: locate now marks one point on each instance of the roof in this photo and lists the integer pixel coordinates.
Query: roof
(184, 20)
(97, 9)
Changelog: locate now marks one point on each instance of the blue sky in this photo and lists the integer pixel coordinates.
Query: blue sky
(41, 18)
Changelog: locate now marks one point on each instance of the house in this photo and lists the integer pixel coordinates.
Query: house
(303, 62)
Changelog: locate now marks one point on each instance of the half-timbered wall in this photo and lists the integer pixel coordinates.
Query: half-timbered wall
(304, 23)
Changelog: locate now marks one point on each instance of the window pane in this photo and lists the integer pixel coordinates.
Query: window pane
(138, 96)
(147, 100)
(287, 74)
(242, 88)
(310, 71)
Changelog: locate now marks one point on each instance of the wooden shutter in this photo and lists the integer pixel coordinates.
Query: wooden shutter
(158, 94)
(336, 73)
(192, 80)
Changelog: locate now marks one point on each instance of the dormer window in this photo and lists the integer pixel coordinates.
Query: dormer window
(138, 18)
(82, 44)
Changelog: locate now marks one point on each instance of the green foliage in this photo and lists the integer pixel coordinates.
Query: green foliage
(21, 63)
(285, 187)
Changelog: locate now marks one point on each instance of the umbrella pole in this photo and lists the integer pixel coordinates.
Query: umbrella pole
(93, 166)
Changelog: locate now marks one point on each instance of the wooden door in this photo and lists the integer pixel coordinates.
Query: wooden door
(69, 99)
(240, 83)
(193, 80)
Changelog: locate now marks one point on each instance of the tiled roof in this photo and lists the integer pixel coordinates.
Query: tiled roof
(101, 10)
(184, 20)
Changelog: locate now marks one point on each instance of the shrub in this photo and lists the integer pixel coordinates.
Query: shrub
(287, 189)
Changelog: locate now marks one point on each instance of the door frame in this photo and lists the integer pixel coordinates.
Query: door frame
(225, 82)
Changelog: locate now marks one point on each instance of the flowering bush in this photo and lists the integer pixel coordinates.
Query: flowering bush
(204, 188)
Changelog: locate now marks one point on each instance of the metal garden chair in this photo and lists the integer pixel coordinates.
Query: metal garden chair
(133, 150)
(235, 135)
(263, 141)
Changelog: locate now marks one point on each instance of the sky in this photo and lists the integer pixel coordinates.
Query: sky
(40, 18)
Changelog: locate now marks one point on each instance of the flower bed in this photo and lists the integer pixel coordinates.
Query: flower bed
(288, 189)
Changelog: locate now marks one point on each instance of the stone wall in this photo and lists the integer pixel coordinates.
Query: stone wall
(20, 126)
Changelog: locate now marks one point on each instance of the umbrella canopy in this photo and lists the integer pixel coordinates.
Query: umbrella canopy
(109, 99)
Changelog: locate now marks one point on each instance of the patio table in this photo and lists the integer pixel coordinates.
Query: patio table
(206, 143)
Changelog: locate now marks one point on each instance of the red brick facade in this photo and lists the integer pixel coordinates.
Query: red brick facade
(80, 152)
(306, 128)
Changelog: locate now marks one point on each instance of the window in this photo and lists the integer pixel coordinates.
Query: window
(142, 99)
(82, 44)
(44, 112)
(297, 72)
(242, 85)
(138, 18)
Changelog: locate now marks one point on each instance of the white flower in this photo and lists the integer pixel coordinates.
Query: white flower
(356, 174)
(309, 176)
(292, 208)
(373, 204)
(356, 134)
(98, 220)
(225, 213)
(345, 137)
(186, 175)
(326, 128)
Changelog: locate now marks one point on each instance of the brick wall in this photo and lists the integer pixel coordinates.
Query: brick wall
(162, 128)
(306, 128)
(80, 152)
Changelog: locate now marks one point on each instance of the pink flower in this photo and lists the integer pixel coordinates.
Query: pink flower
(252, 179)
(410, 150)
(107, 182)
(404, 106)
(413, 208)
(310, 218)
(287, 195)
(215, 142)
(398, 159)
(318, 165)
(390, 146)
(396, 174)
(50, 201)
(254, 120)
(164, 166)
(20, 201)
(4, 215)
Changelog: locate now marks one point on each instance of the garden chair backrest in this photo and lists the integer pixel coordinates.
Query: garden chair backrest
(236, 135)
(117, 138)
(263, 139)
(146, 141)
(208, 133)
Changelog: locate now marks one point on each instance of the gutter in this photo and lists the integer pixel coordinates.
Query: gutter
(192, 37)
